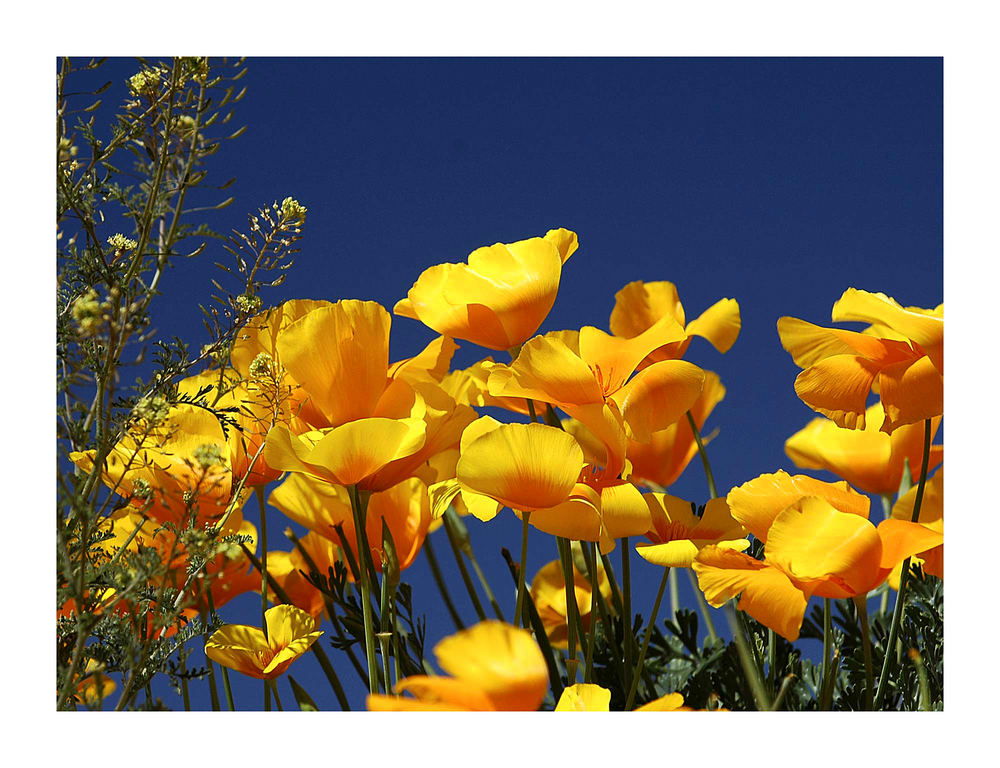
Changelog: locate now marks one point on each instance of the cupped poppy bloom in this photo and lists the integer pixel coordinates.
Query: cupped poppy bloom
(351, 454)
(931, 517)
(598, 510)
(525, 467)
(499, 298)
(591, 383)
(904, 363)
(678, 534)
(290, 633)
(170, 469)
(812, 548)
(588, 697)
(492, 667)
(548, 591)
(867, 458)
(660, 460)
(320, 507)
(639, 306)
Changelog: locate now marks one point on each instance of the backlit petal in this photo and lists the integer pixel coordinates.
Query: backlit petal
(719, 324)
(584, 697)
(659, 396)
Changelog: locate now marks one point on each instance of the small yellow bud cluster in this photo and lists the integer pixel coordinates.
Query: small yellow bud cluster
(121, 243)
(207, 455)
(88, 312)
(141, 489)
(67, 150)
(195, 538)
(152, 409)
(195, 67)
(262, 366)
(248, 303)
(292, 210)
(144, 81)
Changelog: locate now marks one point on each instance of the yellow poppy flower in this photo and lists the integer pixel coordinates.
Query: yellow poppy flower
(812, 548)
(548, 591)
(868, 459)
(290, 633)
(639, 305)
(320, 506)
(522, 466)
(93, 686)
(677, 534)
(492, 666)
(499, 298)
(597, 510)
(591, 383)
(904, 363)
(931, 517)
(588, 697)
(661, 459)
(168, 470)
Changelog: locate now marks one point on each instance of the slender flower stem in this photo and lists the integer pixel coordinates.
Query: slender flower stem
(432, 561)
(385, 633)
(518, 618)
(897, 612)
(704, 456)
(262, 505)
(588, 675)
(772, 661)
(466, 579)
(531, 411)
(277, 699)
(465, 544)
(645, 641)
(572, 618)
(675, 595)
(861, 603)
(627, 638)
(267, 696)
(538, 628)
(213, 690)
(228, 689)
(886, 513)
(702, 606)
(605, 614)
(750, 669)
(359, 528)
(185, 693)
(827, 648)
(616, 593)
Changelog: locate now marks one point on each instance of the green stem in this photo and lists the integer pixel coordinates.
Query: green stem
(827, 649)
(267, 696)
(645, 641)
(750, 669)
(616, 593)
(886, 513)
(588, 675)
(466, 579)
(627, 638)
(366, 590)
(262, 505)
(523, 566)
(213, 690)
(904, 574)
(861, 603)
(538, 628)
(772, 661)
(385, 634)
(228, 689)
(605, 614)
(277, 699)
(675, 598)
(704, 457)
(465, 544)
(702, 606)
(432, 561)
(572, 617)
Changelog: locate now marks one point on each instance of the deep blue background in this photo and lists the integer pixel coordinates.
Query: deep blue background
(778, 182)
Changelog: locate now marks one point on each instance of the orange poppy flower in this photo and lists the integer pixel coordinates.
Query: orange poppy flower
(492, 666)
(900, 356)
(499, 298)
(932, 517)
(866, 458)
(548, 591)
(639, 306)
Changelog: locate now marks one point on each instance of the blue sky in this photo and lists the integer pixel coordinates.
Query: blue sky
(777, 182)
